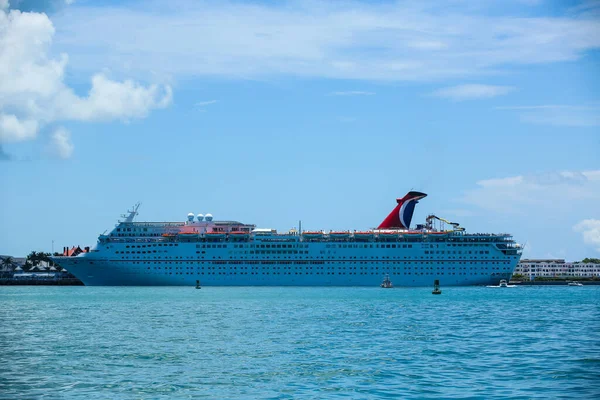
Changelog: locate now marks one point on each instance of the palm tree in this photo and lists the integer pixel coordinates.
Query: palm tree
(7, 266)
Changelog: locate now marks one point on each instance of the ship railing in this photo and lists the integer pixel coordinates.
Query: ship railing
(505, 239)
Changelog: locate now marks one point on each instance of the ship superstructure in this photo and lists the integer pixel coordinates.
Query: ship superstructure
(231, 253)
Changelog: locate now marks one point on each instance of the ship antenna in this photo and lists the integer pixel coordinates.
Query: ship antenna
(131, 213)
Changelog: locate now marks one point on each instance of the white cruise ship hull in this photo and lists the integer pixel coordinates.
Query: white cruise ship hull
(320, 266)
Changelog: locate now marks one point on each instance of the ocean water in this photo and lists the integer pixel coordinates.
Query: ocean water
(153, 343)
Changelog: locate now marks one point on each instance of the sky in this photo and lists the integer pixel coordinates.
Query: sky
(271, 112)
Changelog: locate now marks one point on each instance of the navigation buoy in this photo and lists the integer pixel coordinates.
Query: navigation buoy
(436, 287)
(198, 285)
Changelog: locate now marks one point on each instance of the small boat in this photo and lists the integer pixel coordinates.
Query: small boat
(387, 284)
(436, 287)
(574, 283)
(503, 284)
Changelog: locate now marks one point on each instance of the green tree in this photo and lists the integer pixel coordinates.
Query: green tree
(34, 258)
(8, 266)
(591, 260)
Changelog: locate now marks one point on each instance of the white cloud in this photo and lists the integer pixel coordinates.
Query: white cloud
(61, 144)
(13, 130)
(352, 93)
(400, 41)
(517, 194)
(109, 100)
(559, 115)
(4, 4)
(590, 229)
(472, 91)
(33, 92)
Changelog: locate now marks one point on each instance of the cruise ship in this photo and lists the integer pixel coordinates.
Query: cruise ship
(200, 250)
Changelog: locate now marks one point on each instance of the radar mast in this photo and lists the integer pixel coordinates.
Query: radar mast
(131, 213)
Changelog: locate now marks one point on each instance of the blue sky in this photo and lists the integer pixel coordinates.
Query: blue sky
(271, 112)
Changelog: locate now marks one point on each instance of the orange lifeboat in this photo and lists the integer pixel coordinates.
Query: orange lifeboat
(388, 235)
(363, 235)
(312, 234)
(239, 235)
(339, 234)
(215, 235)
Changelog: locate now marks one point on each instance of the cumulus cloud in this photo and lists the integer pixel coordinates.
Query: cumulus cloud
(472, 91)
(13, 130)
(61, 144)
(590, 230)
(109, 100)
(512, 194)
(394, 41)
(33, 92)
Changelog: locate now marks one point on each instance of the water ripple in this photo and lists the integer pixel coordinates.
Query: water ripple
(96, 343)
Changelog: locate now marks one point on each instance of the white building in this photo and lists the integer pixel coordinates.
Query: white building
(556, 268)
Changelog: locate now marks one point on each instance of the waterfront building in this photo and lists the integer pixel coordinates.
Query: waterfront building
(556, 268)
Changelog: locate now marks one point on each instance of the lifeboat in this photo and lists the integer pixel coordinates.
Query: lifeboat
(312, 234)
(187, 235)
(388, 235)
(437, 234)
(239, 235)
(168, 235)
(366, 235)
(215, 235)
(339, 235)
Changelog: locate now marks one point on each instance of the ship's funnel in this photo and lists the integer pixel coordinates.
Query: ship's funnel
(401, 215)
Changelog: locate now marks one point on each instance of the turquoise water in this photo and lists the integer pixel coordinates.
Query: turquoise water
(106, 343)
